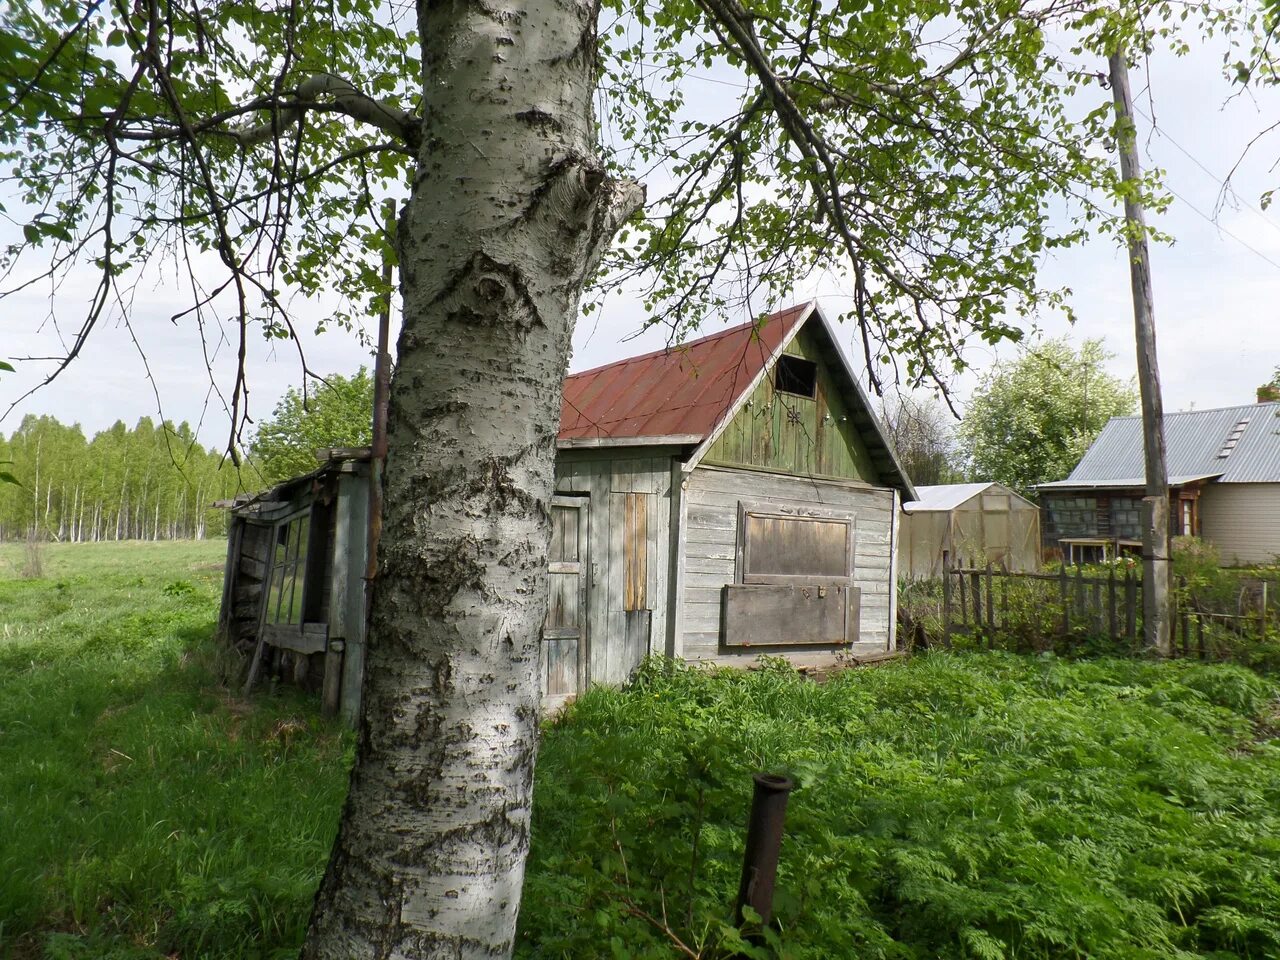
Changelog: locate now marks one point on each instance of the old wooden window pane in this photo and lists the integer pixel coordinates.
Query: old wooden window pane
(284, 599)
(564, 535)
(562, 609)
(563, 637)
(795, 547)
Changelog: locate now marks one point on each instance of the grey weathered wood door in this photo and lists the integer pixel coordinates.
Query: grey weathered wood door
(564, 635)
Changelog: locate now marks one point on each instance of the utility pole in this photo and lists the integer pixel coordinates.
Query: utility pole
(1155, 532)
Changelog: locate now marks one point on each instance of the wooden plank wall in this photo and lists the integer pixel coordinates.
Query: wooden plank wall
(629, 548)
(793, 434)
(711, 540)
(347, 596)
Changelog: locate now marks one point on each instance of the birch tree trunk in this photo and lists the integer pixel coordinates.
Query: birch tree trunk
(509, 210)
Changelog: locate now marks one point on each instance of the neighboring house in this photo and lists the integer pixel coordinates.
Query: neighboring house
(968, 524)
(1224, 486)
(729, 497)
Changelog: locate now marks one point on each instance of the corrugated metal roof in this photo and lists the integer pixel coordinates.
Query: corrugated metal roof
(947, 496)
(682, 391)
(1194, 441)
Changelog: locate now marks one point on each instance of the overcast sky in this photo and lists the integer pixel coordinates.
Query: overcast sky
(1217, 290)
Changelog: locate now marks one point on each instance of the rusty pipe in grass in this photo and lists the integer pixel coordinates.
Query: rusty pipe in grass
(764, 842)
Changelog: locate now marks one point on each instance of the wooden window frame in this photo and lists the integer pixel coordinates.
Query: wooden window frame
(582, 566)
(297, 564)
(771, 511)
(810, 370)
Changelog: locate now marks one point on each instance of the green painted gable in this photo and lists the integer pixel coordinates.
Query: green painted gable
(795, 434)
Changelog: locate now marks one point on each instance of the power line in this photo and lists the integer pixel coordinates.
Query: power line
(1212, 221)
(1212, 176)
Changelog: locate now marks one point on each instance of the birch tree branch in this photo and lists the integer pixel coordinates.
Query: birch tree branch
(346, 99)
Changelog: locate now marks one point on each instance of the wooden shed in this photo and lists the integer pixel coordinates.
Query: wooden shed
(715, 501)
(293, 592)
(971, 524)
(729, 497)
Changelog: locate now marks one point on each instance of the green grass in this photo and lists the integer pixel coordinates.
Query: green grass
(983, 805)
(146, 812)
(980, 805)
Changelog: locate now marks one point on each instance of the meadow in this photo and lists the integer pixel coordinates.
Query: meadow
(983, 805)
(147, 812)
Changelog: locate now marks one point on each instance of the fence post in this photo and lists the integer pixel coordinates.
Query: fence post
(1111, 605)
(1131, 606)
(1081, 610)
(946, 601)
(964, 598)
(1179, 615)
(1262, 625)
(975, 580)
(1062, 596)
(991, 604)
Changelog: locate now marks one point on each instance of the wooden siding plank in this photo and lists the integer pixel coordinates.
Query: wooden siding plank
(678, 561)
(891, 549)
(635, 546)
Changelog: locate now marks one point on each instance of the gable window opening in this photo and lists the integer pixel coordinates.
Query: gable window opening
(796, 376)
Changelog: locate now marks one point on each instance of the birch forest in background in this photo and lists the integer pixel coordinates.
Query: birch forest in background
(151, 482)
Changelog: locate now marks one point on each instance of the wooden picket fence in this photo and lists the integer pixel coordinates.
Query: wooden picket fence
(986, 602)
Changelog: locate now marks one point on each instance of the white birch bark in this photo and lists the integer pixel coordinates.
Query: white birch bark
(509, 211)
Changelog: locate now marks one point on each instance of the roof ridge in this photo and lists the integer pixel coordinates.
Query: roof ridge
(1184, 413)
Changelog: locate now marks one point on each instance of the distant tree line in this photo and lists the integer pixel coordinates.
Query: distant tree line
(154, 482)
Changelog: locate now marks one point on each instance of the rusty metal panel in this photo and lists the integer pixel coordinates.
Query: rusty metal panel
(776, 614)
(685, 390)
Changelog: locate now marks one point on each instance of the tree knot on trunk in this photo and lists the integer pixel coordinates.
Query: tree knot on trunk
(568, 192)
(486, 292)
(538, 118)
(493, 479)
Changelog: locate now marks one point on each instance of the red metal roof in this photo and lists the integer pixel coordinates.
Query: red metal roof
(682, 391)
